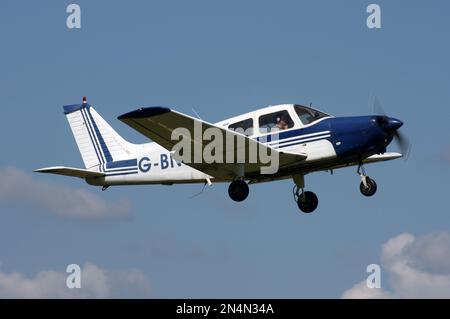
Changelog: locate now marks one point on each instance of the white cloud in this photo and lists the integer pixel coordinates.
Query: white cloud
(412, 268)
(360, 291)
(62, 200)
(95, 283)
(432, 253)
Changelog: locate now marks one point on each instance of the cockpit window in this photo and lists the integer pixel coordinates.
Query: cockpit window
(308, 115)
(243, 127)
(275, 121)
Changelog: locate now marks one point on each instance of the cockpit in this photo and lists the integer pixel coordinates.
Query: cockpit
(275, 118)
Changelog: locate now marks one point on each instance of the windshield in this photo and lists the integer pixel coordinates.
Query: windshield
(308, 115)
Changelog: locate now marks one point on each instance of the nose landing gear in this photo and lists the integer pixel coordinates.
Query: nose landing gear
(368, 186)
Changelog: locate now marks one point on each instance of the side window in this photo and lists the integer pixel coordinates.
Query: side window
(275, 121)
(244, 127)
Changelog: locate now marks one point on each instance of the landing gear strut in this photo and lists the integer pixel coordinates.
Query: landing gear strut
(238, 190)
(306, 201)
(368, 186)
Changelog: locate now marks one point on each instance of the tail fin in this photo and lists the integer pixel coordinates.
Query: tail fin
(96, 139)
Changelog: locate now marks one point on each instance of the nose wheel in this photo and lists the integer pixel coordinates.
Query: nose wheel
(306, 201)
(368, 186)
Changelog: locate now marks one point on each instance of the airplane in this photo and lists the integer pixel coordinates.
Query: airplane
(304, 139)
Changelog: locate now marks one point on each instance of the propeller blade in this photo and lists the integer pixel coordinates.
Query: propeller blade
(377, 107)
(403, 144)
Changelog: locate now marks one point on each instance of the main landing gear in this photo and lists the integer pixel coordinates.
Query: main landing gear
(238, 190)
(306, 201)
(368, 186)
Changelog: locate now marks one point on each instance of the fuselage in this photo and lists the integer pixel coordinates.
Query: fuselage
(329, 142)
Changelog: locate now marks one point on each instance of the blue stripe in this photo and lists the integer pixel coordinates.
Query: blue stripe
(323, 125)
(301, 142)
(90, 136)
(106, 152)
(124, 163)
(282, 142)
(94, 137)
(102, 157)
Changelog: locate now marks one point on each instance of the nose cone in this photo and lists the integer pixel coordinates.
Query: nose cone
(394, 124)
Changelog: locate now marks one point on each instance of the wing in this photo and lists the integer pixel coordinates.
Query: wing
(69, 171)
(163, 124)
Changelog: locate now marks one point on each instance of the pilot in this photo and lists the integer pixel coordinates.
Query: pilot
(282, 123)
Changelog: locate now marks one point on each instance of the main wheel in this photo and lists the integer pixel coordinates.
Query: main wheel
(370, 189)
(238, 190)
(307, 202)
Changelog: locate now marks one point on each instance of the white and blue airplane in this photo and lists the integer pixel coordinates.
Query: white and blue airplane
(307, 141)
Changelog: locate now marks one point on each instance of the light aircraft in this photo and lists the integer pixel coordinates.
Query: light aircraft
(305, 140)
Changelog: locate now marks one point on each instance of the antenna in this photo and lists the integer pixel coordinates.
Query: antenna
(207, 183)
(196, 114)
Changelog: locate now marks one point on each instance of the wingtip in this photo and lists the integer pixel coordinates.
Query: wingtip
(144, 112)
(46, 169)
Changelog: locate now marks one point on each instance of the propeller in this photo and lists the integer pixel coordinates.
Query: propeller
(401, 140)
(403, 144)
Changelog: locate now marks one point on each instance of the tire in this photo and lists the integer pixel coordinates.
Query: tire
(371, 188)
(307, 202)
(238, 190)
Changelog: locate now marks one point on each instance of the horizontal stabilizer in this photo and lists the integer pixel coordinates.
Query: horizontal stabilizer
(69, 171)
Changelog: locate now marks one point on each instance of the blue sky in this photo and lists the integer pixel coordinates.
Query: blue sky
(224, 58)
